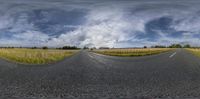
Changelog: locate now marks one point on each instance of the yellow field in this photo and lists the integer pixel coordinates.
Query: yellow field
(34, 56)
(195, 51)
(132, 52)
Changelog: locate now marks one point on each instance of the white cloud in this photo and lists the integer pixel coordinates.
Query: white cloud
(30, 38)
(103, 28)
(107, 23)
(112, 27)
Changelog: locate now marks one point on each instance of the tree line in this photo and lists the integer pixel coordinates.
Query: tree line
(76, 48)
(45, 47)
(172, 46)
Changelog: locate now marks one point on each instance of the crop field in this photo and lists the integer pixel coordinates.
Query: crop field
(132, 52)
(34, 56)
(195, 51)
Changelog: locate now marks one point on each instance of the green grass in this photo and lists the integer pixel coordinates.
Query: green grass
(195, 51)
(132, 52)
(34, 56)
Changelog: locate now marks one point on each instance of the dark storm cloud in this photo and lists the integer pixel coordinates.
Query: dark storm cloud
(55, 21)
(119, 23)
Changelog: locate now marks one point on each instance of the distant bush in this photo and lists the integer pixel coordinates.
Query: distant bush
(93, 48)
(7, 47)
(104, 48)
(175, 46)
(158, 46)
(85, 47)
(69, 47)
(34, 48)
(45, 47)
(187, 46)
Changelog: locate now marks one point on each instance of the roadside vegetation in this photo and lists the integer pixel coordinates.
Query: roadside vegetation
(137, 51)
(35, 56)
(132, 51)
(195, 51)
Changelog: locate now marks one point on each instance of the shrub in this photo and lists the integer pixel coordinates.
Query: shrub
(45, 47)
(187, 46)
(69, 47)
(175, 46)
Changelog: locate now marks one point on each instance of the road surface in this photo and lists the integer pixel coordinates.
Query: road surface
(87, 75)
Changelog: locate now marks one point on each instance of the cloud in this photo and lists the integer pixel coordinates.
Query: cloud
(92, 23)
(28, 39)
(105, 28)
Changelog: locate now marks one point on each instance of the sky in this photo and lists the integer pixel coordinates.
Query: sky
(99, 23)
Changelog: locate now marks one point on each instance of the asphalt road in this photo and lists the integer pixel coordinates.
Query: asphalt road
(87, 75)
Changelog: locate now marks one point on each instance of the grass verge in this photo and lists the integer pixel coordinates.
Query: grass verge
(132, 52)
(35, 56)
(195, 51)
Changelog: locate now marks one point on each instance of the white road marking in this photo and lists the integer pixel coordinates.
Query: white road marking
(172, 55)
(91, 56)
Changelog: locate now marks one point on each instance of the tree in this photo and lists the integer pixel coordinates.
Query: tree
(187, 46)
(93, 48)
(175, 46)
(44, 47)
(85, 47)
(158, 46)
(34, 47)
(145, 46)
(69, 47)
